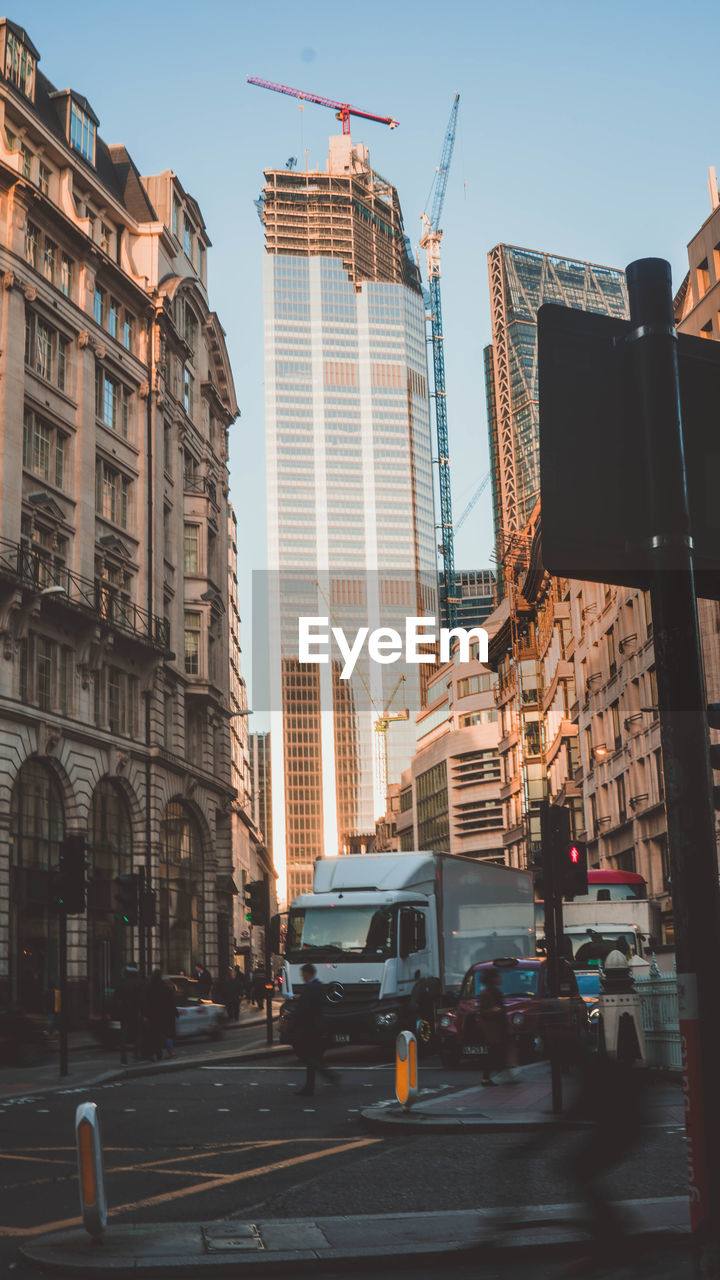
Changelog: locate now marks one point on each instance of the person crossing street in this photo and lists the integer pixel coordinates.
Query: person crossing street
(309, 1031)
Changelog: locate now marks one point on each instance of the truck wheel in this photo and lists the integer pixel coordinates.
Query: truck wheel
(424, 1031)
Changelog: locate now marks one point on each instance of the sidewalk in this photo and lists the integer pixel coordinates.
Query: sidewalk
(90, 1063)
(292, 1246)
(525, 1105)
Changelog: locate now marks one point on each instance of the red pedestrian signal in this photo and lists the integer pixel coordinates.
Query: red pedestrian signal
(573, 878)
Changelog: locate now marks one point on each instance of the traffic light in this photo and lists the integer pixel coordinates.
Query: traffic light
(573, 870)
(256, 902)
(70, 893)
(554, 841)
(148, 908)
(125, 902)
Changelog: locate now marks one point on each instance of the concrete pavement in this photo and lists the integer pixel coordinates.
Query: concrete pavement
(295, 1246)
(524, 1105)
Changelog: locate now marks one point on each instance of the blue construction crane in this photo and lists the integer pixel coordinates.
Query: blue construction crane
(432, 235)
(475, 498)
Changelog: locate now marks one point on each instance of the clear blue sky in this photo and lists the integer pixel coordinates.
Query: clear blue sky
(586, 129)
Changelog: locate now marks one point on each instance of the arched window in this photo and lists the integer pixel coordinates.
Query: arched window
(181, 889)
(37, 825)
(37, 817)
(110, 849)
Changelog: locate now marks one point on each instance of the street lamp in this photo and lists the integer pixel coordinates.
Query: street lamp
(600, 752)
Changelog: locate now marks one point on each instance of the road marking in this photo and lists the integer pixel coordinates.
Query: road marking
(199, 1188)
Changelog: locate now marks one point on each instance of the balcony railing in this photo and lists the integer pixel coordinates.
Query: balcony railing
(33, 568)
(200, 484)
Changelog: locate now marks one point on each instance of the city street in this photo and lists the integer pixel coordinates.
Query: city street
(233, 1139)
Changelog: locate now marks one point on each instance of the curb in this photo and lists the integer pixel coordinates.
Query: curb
(392, 1117)
(71, 1253)
(151, 1069)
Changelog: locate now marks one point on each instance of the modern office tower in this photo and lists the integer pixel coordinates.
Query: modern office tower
(521, 280)
(349, 485)
(116, 396)
(261, 777)
(475, 595)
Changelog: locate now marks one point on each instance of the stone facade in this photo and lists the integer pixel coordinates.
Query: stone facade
(116, 396)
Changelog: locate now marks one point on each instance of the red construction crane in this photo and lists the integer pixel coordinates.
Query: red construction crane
(343, 109)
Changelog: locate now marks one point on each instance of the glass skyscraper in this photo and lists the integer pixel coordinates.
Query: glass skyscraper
(521, 280)
(351, 533)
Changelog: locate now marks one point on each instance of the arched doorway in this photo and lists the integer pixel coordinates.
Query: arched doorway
(37, 826)
(182, 940)
(110, 854)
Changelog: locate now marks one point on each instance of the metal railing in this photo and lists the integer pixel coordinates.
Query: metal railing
(660, 1018)
(37, 570)
(200, 484)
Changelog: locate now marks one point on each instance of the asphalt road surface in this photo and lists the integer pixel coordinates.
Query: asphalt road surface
(231, 1140)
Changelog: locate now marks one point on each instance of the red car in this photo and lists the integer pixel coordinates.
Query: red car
(533, 1015)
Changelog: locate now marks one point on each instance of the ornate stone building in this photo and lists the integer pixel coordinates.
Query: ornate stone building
(116, 396)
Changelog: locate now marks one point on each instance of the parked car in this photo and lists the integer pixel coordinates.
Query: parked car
(534, 1017)
(196, 1016)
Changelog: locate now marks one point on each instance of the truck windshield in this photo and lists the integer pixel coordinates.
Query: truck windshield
(353, 933)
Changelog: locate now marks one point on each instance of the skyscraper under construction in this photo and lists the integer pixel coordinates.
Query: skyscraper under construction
(521, 280)
(349, 492)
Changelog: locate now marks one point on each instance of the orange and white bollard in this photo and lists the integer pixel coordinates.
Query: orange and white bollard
(90, 1170)
(406, 1077)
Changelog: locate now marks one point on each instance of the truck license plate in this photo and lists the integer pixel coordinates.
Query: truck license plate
(341, 1039)
(474, 1050)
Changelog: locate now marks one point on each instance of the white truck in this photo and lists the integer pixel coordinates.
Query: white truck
(594, 928)
(392, 935)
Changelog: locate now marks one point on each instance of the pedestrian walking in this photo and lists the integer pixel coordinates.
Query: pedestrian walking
(126, 1008)
(237, 988)
(493, 1023)
(309, 1031)
(204, 980)
(259, 993)
(159, 1013)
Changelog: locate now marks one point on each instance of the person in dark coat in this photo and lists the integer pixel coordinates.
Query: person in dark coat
(259, 993)
(126, 1007)
(204, 980)
(494, 1024)
(309, 1030)
(159, 1014)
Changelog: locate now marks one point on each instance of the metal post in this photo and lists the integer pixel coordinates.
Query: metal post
(652, 357)
(62, 919)
(552, 904)
(268, 964)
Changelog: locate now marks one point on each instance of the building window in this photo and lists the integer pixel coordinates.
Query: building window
(113, 493)
(192, 548)
(191, 329)
(622, 803)
(45, 350)
(99, 309)
(32, 242)
(476, 684)
(112, 402)
(114, 318)
(129, 332)
(610, 650)
(201, 261)
(175, 216)
(44, 449)
(82, 132)
(659, 779)
(116, 701)
(44, 178)
(615, 725)
(66, 272)
(187, 239)
(19, 64)
(105, 238)
(433, 817)
(188, 392)
(27, 161)
(703, 278)
(49, 261)
(192, 643)
(45, 674)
